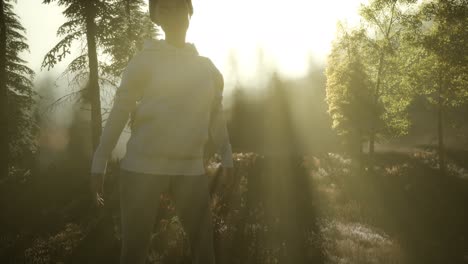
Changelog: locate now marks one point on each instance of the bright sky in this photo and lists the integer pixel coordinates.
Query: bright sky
(289, 31)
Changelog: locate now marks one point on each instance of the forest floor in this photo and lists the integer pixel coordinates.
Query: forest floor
(402, 212)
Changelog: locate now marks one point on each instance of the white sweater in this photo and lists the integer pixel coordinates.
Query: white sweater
(171, 92)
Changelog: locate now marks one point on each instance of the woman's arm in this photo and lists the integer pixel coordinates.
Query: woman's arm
(126, 96)
(218, 128)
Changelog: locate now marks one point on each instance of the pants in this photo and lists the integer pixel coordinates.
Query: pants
(139, 200)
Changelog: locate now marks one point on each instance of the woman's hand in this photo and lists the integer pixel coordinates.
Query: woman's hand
(97, 189)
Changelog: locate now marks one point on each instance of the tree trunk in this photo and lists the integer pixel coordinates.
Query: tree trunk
(377, 90)
(95, 97)
(372, 143)
(4, 141)
(360, 153)
(440, 130)
(374, 116)
(129, 27)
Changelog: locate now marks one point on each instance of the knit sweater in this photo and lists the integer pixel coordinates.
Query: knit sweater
(170, 93)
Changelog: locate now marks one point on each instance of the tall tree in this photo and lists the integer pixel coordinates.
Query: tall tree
(384, 23)
(90, 12)
(82, 16)
(439, 34)
(349, 90)
(4, 162)
(16, 93)
(109, 27)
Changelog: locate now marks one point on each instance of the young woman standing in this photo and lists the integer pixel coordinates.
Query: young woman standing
(174, 97)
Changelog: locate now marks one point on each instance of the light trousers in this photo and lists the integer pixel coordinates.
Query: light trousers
(139, 202)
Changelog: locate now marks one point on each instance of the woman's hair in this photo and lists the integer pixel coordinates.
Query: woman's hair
(152, 4)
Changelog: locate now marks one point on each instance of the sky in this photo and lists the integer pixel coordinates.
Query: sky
(289, 32)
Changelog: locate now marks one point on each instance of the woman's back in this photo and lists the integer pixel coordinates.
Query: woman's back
(169, 127)
(171, 93)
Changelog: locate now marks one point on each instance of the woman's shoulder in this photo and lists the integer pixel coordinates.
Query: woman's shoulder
(214, 72)
(138, 62)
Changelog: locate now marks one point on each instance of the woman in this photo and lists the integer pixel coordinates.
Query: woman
(175, 97)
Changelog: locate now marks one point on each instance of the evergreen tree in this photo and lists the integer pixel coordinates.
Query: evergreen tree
(110, 27)
(130, 26)
(82, 17)
(349, 90)
(16, 93)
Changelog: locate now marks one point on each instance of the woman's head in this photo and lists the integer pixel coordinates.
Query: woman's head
(171, 15)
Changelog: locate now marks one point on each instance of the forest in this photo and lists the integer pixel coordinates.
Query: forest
(363, 160)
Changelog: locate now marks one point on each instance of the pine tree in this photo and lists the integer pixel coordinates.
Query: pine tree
(130, 26)
(82, 18)
(16, 93)
(108, 27)
(349, 91)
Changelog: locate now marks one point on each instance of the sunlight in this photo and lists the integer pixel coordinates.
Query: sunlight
(325, 146)
(289, 32)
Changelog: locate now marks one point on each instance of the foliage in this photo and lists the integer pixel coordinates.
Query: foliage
(349, 94)
(121, 27)
(129, 26)
(55, 248)
(440, 34)
(22, 127)
(367, 89)
(384, 24)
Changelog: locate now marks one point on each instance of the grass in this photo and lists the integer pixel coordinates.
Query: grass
(285, 210)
